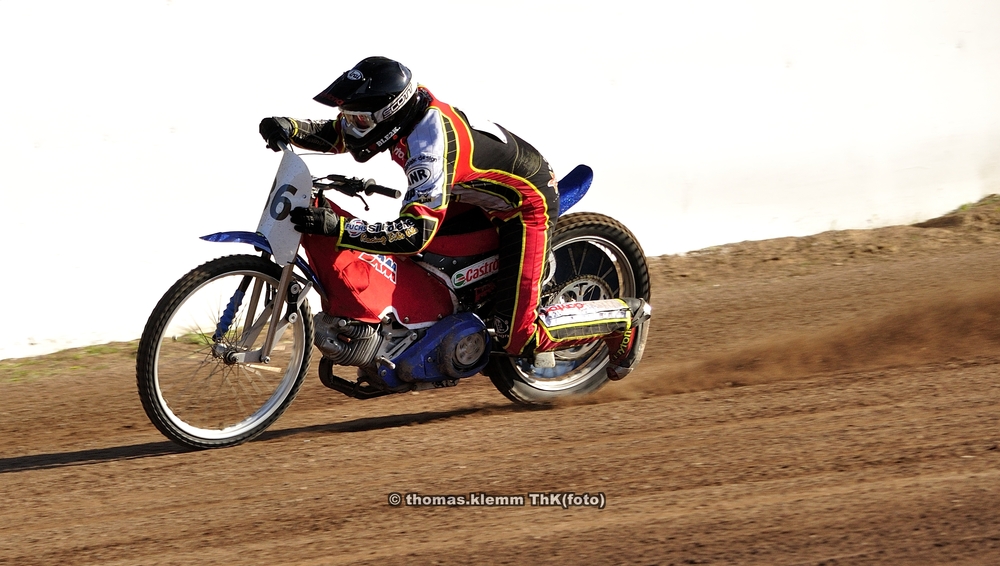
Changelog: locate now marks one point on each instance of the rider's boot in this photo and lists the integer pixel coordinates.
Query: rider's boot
(625, 348)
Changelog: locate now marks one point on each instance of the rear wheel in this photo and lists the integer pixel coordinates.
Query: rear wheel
(593, 257)
(195, 368)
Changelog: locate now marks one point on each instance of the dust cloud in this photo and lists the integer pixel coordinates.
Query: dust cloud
(957, 324)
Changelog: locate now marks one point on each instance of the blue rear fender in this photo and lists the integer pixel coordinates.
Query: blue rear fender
(260, 242)
(573, 186)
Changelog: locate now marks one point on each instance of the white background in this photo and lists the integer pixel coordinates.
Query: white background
(130, 127)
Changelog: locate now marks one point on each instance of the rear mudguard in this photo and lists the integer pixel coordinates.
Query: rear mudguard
(260, 242)
(573, 186)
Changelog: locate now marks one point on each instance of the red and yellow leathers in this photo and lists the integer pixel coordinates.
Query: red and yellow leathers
(450, 157)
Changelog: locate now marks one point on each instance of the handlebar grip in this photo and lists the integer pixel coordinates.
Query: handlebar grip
(371, 188)
(353, 187)
(391, 193)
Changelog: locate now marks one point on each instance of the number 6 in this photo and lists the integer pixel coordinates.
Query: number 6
(279, 200)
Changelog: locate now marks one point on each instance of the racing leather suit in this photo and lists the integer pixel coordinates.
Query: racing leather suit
(450, 157)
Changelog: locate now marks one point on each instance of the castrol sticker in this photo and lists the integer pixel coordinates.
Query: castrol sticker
(476, 272)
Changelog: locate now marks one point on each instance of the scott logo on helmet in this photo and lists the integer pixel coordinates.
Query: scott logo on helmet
(397, 102)
(355, 75)
(476, 272)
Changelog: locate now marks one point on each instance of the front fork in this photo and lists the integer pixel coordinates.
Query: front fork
(276, 316)
(279, 321)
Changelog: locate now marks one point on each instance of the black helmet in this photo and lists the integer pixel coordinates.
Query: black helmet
(378, 100)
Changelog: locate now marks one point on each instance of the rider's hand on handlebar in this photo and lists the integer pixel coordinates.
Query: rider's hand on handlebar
(322, 221)
(274, 130)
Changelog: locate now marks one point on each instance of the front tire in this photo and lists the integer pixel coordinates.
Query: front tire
(593, 257)
(193, 386)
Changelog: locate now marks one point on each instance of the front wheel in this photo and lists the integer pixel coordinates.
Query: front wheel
(593, 257)
(198, 378)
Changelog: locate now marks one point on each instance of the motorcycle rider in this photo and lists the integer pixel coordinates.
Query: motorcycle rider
(451, 159)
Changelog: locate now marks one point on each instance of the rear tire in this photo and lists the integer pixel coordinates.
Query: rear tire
(192, 386)
(593, 257)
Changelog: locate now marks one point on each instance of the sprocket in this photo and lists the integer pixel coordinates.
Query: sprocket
(579, 288)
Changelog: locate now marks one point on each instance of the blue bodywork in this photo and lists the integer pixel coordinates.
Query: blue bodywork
(260, 242)
(429, 358)
(573, 186)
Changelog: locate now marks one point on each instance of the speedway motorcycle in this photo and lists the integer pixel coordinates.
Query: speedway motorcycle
(227, 347)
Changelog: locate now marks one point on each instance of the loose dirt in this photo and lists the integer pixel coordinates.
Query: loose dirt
(821, 400)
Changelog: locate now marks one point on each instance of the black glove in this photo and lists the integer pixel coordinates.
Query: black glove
(322, 221)
(275, 130)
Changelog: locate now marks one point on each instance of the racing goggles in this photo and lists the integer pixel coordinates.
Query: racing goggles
(358, 124)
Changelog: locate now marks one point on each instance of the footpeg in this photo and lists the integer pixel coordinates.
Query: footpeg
(545, 360)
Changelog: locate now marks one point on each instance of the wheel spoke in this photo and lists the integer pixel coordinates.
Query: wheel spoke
(192, 388)
(595, 257)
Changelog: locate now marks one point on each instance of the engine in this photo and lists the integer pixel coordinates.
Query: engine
(457, 346)
(346, 342)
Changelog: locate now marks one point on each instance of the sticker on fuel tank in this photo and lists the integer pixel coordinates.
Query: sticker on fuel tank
(476, 272)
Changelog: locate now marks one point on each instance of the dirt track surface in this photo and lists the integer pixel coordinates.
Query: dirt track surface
(821, 400)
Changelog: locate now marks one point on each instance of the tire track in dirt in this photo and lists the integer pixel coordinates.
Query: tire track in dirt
(841, 460)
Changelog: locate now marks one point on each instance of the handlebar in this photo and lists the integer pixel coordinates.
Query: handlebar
(352, 186)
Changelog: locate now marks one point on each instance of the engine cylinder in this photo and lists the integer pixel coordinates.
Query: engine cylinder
(346, 342)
